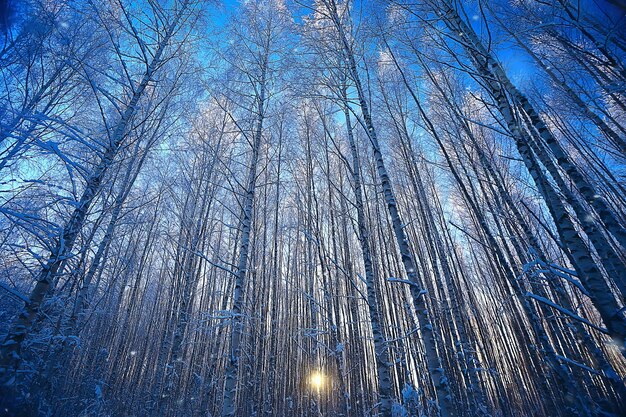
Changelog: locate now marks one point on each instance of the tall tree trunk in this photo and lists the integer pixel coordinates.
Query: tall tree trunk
(499, 86)
(229, 407)
(380, 344)
(436, 372)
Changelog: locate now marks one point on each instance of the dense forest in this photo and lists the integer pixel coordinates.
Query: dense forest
(312, 208)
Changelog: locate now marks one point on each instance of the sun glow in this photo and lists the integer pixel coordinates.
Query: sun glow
(317, 380)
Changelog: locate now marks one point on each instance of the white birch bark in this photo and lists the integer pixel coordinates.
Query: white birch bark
(499, 85)
(380, 344)
(10, 349)
(486, 64)
(433, 362)
(229, 407)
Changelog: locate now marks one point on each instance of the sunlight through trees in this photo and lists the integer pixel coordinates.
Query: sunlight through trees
(312, 208)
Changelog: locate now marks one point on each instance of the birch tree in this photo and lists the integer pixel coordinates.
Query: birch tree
(258, 35)
(337, 15)
(314, 208)
(153, 55)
